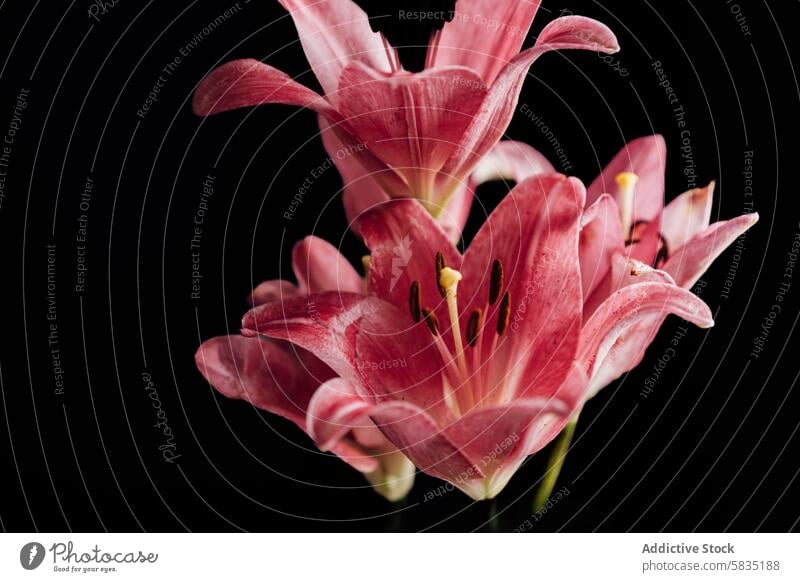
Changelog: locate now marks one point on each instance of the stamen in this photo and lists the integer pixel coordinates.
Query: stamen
(627, 184)
(663, 253)
(496, 282)
(391, 54)
(415, 301)
(431, 320)
(632, 238)
(433, 49)
(474, 326)
(504, 314)
(366, 262)
(448, 279)
(440, 264)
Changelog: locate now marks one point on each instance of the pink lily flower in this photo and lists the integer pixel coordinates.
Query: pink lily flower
(284, 379)
(393, 133)
(491, 338)
(630, 238)
(632, 245)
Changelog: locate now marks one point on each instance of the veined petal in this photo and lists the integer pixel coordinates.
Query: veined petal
(567, 32)
(319, 266)
(617, 334)
(275, 378)
(534, 234)
(367, 181)
(404, 239)
(601, 237)
(412, 122)
(337, 415)
(334, 33)
(417, 435)
(456, 210)
(499, 439)
(687, 216)
(624, 270)
(249, 82)
(365, 340)
(646, 157)
(334, 411)
(262, 372)
(689, 262)
(485, 34)
(324, 324)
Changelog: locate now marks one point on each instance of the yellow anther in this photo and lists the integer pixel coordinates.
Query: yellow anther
(448, 279)
(627, 180)
(627, 185)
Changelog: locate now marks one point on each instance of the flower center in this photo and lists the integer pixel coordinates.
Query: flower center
(467, 377)
(632, 230)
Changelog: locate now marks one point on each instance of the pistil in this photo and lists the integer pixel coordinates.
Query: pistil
(627, 185)
(448, 280)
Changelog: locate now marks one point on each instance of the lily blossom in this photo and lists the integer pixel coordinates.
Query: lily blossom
(630, 239)
(489, 338)
(394, 133)
(285, 380)
(636, 252)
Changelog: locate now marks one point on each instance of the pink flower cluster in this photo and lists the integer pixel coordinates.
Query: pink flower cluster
(459, 365)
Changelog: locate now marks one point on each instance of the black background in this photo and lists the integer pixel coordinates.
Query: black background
(714, 447)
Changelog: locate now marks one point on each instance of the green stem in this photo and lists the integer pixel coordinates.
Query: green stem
(554, 464)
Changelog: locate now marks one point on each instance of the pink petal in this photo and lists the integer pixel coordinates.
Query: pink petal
(404, 239)
(687, 216)
(365, 340)
(646, 157)
(335, 410)
(648, 243)
(417, 435)
(534, 233)
(274, 290)
(319, 266)
(601, 237)
(412, 122)
(511, 160)
(485, 34)
(568, 32)
(324, 324)
(499, 439)
(508, 160)
(690, 261)
(334, 33)
(337, 417)
(624, 270)
(249, 82)
(367, 180)
(276, 379)
(269, 376)
(616, 335)
(456, 211)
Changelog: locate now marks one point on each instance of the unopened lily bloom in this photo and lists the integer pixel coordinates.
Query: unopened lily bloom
(394, 133)
(283, 379)
(491, 336)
